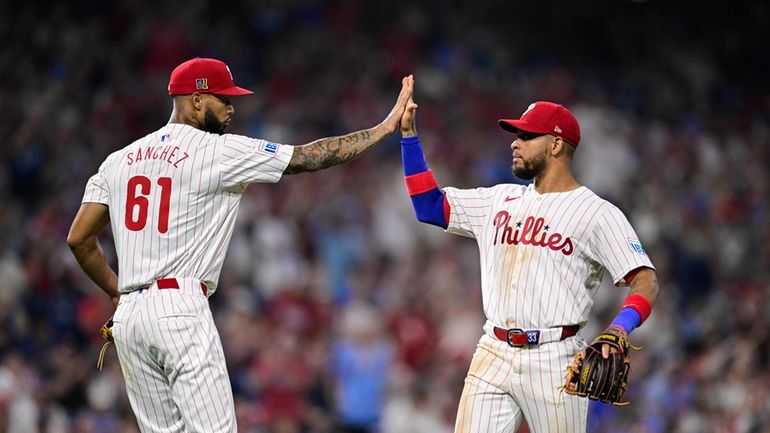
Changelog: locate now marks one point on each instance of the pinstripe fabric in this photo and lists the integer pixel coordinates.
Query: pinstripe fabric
(535, 286)
(543, 257)
(173, 197)
(208, 174)
(172, 361)
(505, 385)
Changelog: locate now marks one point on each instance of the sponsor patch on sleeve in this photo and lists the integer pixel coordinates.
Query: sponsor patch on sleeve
(636, 246)
(268, 147)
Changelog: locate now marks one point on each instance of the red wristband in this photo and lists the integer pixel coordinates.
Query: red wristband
(640, 304)
(420, 183)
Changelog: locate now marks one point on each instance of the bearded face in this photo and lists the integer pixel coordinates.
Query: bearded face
(529, 168)
(212, 124)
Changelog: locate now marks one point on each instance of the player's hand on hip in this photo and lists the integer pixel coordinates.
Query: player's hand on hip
(391, 122)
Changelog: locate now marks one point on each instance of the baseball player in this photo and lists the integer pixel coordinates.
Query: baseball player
(544, 249)
(171, 200)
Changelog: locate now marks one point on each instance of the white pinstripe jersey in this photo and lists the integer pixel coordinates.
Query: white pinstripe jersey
(543, 255)
(173, 197)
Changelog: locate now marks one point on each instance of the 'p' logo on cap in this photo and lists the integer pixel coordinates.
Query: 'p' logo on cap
(544, 117)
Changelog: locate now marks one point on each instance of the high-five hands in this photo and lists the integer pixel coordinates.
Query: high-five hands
(391, 122)
(408, 127)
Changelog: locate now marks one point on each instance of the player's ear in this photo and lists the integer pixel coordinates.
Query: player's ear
(560, 146)
(557, 146)
(196, 99)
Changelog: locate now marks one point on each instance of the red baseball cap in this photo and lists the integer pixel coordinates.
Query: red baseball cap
(204, 76)
(543, 117)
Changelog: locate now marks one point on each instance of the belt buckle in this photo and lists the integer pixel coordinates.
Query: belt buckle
(533, 336)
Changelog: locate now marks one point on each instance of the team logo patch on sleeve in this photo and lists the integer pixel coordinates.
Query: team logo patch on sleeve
(268, 147)
(636, 246)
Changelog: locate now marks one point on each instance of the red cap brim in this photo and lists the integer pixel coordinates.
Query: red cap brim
(516, 125)
(233, 91)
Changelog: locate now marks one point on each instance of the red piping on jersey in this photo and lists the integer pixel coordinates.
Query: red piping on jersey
(447, 211)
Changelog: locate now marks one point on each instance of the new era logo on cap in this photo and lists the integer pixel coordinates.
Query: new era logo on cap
(204, 76)
(543, 117)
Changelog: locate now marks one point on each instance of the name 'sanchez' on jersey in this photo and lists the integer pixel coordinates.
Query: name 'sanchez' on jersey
(167, 153)
(530, 232)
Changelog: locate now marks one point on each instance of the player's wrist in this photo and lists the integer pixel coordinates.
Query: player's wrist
(628, 319)
(382, 130)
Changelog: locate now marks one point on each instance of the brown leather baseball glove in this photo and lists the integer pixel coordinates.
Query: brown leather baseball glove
(598, 378)
(106, 332)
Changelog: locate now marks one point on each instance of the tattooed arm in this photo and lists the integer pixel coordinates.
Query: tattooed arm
(645, 284)
(638, 305)
(327, 152)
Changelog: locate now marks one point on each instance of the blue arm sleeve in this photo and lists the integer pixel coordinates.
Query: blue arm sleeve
(428, 206)
(412, 156)
(628, 319)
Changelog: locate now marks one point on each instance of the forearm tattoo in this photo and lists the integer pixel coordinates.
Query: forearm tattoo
(327, 152)
(645, 284)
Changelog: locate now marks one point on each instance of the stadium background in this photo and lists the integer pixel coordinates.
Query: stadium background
(330, 269)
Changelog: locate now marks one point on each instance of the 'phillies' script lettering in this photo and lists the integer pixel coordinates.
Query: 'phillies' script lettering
(530, 233)
(164, 153)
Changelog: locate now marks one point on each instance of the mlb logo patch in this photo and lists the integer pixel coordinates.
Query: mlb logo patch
(636, 246)
(268, 147)
(202, 83)
(164, 138)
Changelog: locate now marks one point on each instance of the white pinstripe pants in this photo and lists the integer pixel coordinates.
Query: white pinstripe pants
(172, 361)
(505, 384)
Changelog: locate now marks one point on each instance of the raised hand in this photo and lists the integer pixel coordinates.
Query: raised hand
(408, 128)
(329, 151)
(391, 122)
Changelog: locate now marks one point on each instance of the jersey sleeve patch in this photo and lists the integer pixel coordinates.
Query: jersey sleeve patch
(268, 148)
(636, 246)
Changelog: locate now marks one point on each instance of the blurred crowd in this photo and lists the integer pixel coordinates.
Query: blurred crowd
(338, 311)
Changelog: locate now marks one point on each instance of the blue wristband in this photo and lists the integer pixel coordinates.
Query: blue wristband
(412, 156)
(628, 319)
